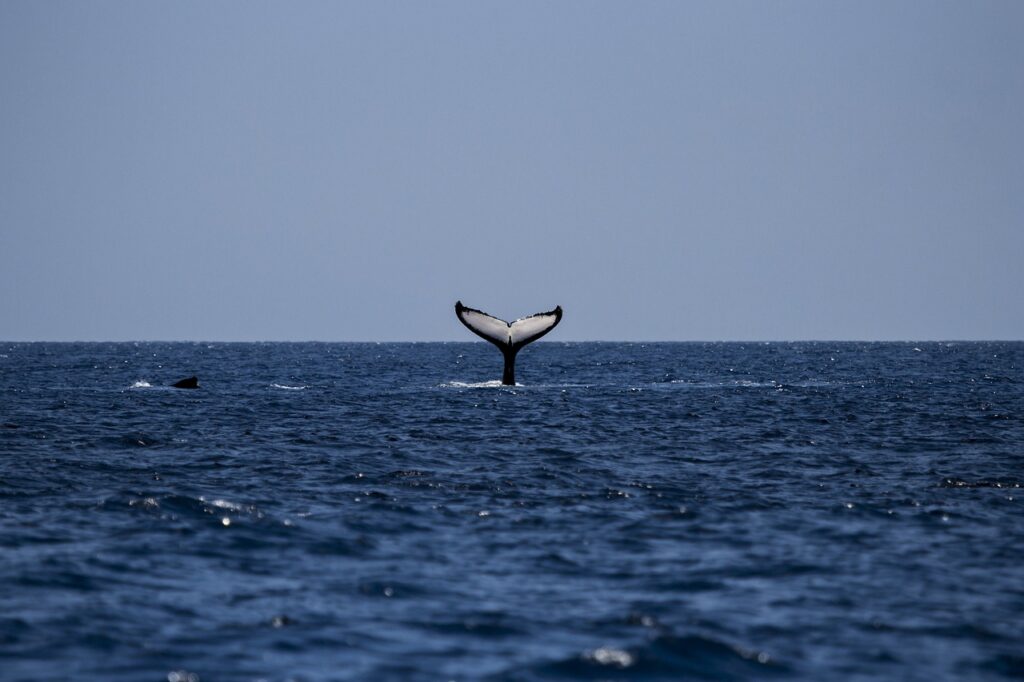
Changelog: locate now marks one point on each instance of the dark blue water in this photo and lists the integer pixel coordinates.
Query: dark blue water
(812, 511)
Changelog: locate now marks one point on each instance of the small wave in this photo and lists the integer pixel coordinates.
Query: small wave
(689, 657)
(141, 384)
(223, 504)
(738, 383)
(285, 387)
(135, 440)
(961, 483)
(186, 508)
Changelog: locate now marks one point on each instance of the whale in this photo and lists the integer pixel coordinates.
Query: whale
(509, 337)
(191, 382)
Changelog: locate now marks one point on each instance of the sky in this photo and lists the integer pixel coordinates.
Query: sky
(345, 171)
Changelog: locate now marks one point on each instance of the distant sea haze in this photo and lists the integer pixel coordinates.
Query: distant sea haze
(656, 511)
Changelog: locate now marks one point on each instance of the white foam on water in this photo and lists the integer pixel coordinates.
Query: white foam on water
(288, 388)
(496, 383)
(743, 383)
(739, 383)
(222, 504)
(141, 384)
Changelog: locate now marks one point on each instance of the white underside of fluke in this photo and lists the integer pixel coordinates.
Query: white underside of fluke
(522, 331)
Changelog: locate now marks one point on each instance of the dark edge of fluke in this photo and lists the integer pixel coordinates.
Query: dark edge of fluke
(508, 349)
(191, 382)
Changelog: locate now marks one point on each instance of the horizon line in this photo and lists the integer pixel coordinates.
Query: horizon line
(549, 341)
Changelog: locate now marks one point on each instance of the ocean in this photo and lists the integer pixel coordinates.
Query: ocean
(663, 511)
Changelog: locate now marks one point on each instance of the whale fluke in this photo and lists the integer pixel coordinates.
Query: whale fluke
(509, 337)
(191, 382)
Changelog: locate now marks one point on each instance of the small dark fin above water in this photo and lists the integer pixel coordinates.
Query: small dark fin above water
(191, 382)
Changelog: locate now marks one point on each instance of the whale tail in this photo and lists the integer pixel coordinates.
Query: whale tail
(509, 337)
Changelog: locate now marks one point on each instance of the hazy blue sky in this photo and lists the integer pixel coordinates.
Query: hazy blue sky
(346, 171)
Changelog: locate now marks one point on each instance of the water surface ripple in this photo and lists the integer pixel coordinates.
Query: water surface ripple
(721, 511)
